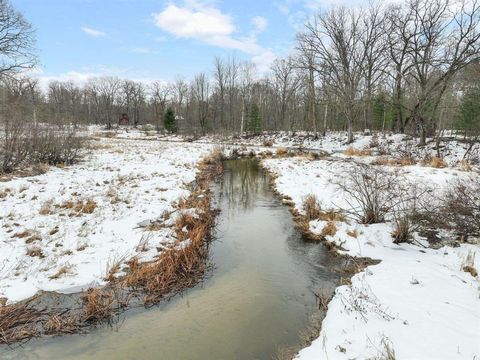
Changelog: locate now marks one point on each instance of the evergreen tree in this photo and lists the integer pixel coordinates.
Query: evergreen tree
(469, 113)
(255, 119)
(382, 112)
(169, 121)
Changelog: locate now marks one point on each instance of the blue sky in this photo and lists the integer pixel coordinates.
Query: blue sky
(159, 39)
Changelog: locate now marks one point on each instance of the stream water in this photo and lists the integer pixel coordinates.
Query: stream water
(258, 298)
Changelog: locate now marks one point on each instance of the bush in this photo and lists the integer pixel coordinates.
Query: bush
(460, 208)
(373, 193)
(28, 144)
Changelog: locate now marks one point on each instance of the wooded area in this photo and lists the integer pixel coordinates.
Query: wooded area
(406, 68)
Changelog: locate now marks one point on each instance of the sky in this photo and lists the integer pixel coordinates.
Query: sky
(148, 40)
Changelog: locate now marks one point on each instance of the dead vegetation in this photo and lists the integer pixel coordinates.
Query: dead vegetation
(371, 193)
(25, 144)
(313, 211)
(98, 305)
(351, 151)
(468, 264)
(18, 322)
(175, 269)
(435, 162)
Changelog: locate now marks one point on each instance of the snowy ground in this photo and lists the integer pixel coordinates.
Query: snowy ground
(62, 231)
(417, 301)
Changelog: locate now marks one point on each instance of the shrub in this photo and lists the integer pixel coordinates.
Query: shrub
(460, 207)
(28, 144)
(371, 193)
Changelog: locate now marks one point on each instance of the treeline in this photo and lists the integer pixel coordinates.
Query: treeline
(411, 68)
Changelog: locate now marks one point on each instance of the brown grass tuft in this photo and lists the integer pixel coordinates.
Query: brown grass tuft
(437, 163)
(281, 151)
(57, 324)
(35, 252)
(352, 233)
(64, 270)
(46, 208)
(98, 305)
(351, 151)
(330, 229)
(311, 207)
(18, 322)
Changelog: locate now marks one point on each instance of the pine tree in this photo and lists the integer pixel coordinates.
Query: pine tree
(169, 121)
(469, 114)
(255, 119)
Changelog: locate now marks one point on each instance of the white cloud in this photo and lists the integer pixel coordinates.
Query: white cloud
(93, 32)
(260, 23)
(203, 22)
(196, 22)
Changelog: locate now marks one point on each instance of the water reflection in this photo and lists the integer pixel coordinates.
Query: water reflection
(243, 184)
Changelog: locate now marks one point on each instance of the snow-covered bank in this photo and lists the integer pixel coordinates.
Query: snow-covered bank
(63, 230)
(417, 302)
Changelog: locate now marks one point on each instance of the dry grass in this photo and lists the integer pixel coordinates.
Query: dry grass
(435, 162)
(351, 151)
(18, 322)
(313, 211)
(98, 305)
(465, 165)
(46, 208)
(468, 264)
(352, 233)
(311, 207)
(281, 151)
(79, 206)
(402, 232)
(35, 252)
(64, 270)
(113, 267)
(57, 324)
(330, 229)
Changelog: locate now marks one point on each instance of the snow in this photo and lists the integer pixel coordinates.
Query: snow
(417, 300)
(131, 181)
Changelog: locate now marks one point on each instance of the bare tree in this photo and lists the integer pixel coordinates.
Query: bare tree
(201, 93)
(16, 41)
(287, 82)
(336, 39)
(445, 39)
(159, 91)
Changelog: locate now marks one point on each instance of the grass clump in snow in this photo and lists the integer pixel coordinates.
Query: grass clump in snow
(435, 162)
(351, 151)
(35, 252)
(313, 211)
(330, 229)
(468, 264)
